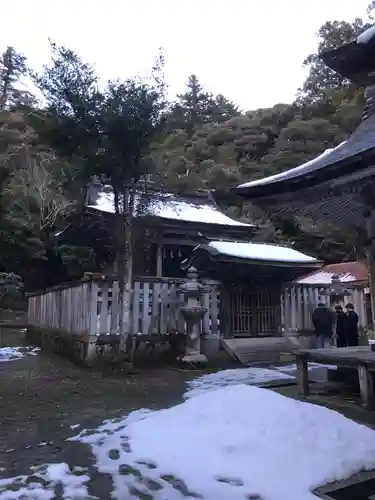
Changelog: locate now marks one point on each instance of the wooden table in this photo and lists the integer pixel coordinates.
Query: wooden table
(361, 358)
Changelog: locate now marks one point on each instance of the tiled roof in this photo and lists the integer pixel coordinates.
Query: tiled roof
(348, 272)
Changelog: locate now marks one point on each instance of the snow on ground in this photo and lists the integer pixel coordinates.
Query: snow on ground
(233, 442)
(251, 376)
(13, 353)
(293, 367)
(224, 378)
(44, 483)
(317, 372)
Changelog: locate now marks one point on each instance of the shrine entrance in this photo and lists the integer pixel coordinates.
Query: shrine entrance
(251, 314)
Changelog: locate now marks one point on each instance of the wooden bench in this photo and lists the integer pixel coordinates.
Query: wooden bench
(360, 358)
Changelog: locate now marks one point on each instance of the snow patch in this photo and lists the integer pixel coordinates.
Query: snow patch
(367, 35)
(311, 366)
(42, 483)
(260, 251)
(13, 353)
(224, 378)
(233, 442)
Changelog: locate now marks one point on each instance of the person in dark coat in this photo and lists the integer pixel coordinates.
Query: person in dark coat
(352, 325)
(323, 320)
(341, 327)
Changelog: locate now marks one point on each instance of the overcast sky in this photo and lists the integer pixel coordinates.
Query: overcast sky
(249, 50)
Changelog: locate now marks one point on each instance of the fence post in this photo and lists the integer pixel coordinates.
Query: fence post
(92, 321)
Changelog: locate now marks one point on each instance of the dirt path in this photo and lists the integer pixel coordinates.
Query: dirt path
(42, 396)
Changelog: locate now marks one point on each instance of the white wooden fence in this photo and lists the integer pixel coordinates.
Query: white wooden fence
(91, 308)
(63, 308)
(299, 301)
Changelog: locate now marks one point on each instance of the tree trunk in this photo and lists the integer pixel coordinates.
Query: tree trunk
(124, 260)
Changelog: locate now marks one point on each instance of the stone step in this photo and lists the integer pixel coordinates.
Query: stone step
(257, 350)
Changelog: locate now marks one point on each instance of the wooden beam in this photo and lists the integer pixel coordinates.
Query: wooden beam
(371, 259)
(181, 242)
(302, 376)
(159, 260)
(366, 386)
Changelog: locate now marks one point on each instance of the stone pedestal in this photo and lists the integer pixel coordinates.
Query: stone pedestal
(210, 346)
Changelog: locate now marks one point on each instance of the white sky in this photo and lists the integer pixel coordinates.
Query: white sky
(249, 50)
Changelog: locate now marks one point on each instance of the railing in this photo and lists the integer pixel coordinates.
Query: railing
(62, 308)
(92, 307)
(299, 301)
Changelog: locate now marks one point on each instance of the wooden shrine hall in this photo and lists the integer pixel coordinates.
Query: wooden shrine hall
(192, 230)
(251, 289)
(173, 232)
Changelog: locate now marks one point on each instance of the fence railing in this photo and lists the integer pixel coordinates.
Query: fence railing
(92, 308)
(299, 301)
(62, 308)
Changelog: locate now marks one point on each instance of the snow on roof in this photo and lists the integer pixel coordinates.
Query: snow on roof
(348, 272)
(206, 442)
(169, 206)
(194, 213)
(301, 169)
(261, 251)
(367, 35)
(324, 278)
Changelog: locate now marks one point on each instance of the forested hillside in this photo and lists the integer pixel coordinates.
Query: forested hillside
(129, 132)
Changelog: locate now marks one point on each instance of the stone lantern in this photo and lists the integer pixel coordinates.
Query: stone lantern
(193, 312)
(336, 292)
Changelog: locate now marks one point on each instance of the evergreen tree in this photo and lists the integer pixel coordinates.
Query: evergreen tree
(12, 69)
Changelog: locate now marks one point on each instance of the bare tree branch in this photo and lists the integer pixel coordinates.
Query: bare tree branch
(35, 196)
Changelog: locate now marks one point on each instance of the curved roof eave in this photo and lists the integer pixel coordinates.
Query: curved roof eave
(349, 153)
(262, 254)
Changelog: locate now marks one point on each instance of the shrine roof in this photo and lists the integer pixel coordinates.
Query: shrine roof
(354, 61)
(332, 163)
(198, 208)
(348, 272)
(261, 252)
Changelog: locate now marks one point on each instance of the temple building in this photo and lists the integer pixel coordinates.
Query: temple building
(338, 185)
(185, 231)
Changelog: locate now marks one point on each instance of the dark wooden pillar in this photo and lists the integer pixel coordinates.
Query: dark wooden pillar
(371, 258)
(368, 197)
(159, 260)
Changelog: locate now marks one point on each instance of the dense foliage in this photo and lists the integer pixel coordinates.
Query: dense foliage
(127, 134)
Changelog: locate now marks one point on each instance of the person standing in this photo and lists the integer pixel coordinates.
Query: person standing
(341, 327)
(352, 325)
(323, 320)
